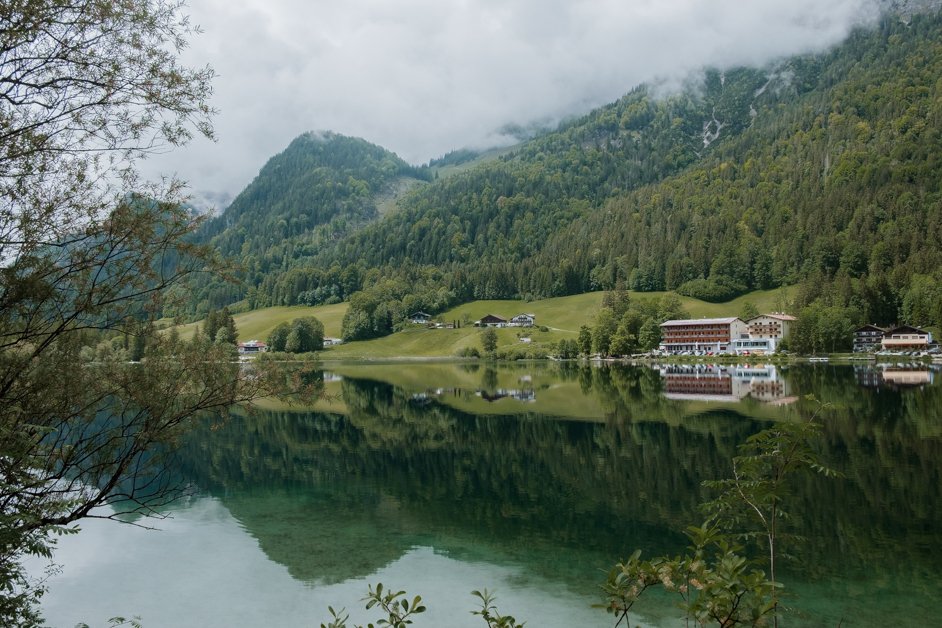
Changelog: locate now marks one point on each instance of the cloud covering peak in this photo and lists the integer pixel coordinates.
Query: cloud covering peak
(422, 77)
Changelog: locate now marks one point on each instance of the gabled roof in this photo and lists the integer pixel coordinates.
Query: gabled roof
(701, 321)
(869, 328)
(906, 329)
(493, 317)
(420, 314)
(776, 315)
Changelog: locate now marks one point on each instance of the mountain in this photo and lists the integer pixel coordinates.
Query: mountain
(322, 187)
(821, 170)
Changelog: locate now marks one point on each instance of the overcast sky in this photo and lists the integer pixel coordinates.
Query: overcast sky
(423, 77)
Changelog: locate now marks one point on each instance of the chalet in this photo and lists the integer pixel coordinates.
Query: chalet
(775, 325)
(523, 320)
(491, 321)
(906, 338)
(420, 318)
(764, 333)
(705, 334)
(252, 346)
(868, 338)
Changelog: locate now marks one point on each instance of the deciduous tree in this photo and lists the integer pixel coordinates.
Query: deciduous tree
(90, 251)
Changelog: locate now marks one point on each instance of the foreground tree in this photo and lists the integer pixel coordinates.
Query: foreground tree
(88, 88)
(716, 583)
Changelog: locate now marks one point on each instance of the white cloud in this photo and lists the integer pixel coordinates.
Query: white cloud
(422, 77)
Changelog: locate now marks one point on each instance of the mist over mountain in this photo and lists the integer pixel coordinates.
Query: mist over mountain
(819, 169)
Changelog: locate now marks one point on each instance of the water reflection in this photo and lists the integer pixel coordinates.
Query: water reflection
(896, 376)
(714, 382)
(598, 462)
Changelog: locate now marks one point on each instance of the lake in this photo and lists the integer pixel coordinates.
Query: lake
(530, 480)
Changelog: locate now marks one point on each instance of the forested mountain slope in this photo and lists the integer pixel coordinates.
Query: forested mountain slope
(822, 170)
(322, 187)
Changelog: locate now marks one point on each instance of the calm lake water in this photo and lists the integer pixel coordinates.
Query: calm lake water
(529, 480)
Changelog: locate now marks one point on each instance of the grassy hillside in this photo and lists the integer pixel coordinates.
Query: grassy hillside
(435, 343)
(257, 324)
(562, 316)
(569, 313)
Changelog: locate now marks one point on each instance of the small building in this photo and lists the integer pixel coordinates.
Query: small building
(523, 320)
(252, 346)
(764, 333)
(776, 325)
(906, 338)
(868, 338)
(420, 318)
(705, 334)
(491, 321)
(330, 342)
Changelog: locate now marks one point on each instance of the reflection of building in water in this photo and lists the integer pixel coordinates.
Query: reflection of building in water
(434, 393)
(721, 383)
(698, 382)
(894, 376)
(520, 394)
(526, 394)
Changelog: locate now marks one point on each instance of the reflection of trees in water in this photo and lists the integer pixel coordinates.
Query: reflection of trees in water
(367, 485)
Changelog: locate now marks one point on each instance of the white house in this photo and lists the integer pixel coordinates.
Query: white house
(906, 338)
(420, 318)
(523, 320)
(252, 346)
(764, 333)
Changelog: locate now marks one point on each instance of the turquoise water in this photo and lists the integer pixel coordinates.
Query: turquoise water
(530, 480)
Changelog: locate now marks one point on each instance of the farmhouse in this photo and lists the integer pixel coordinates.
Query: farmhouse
(419, 318)
(491, 321)
(523, 320)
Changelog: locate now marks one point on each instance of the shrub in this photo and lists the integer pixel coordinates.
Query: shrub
(714, 290)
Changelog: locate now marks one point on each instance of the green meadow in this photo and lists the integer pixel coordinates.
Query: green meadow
(561, 317)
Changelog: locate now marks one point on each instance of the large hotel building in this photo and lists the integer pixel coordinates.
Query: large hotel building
(702, 334)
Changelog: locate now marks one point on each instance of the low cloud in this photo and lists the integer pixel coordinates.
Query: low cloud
(422, 77)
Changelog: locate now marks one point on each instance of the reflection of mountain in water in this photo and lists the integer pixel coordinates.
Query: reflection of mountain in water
(335, 497)
(714, 382)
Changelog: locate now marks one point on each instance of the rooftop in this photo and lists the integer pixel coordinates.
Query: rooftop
(776, 315)
(700, 321)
